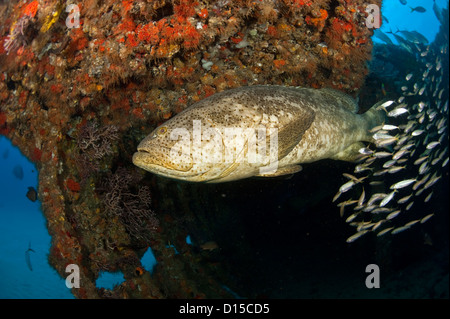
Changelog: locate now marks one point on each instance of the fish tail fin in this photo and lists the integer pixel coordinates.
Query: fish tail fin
(375, 116)
(412, 9)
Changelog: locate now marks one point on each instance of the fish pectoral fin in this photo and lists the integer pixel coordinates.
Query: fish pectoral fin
(291, 133)
(225, 173)
(292, 169)
(350, 154)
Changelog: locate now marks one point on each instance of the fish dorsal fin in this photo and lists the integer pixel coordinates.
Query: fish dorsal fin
(341, 99)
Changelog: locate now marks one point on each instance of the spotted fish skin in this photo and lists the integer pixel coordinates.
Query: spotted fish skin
(310, 124)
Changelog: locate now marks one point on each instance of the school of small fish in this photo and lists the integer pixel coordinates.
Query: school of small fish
(406, 159)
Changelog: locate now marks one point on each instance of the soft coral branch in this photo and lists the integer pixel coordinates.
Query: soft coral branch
(133, 208)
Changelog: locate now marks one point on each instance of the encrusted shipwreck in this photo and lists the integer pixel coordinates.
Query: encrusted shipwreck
(77, 101)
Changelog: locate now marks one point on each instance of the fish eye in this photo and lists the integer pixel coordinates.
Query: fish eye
(162, 130)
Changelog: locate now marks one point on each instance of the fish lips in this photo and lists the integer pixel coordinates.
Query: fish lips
(162, 159)
(163, 166)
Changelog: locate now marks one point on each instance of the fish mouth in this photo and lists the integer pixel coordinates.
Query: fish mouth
(162, 165)
(144, 158)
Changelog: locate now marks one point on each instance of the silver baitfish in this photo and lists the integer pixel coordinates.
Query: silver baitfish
(403, 184)
(413, 154)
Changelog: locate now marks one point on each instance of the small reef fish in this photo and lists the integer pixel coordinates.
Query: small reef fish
(438, 13)
(404, 44)
(382, 36)
(403, 183)
(399, 229)
(395, 169)
(432, 145)
(28, 257)
(417, 132)
(361, 198)
(382, 154)
(387, 199)
(346, 186)
(386, 142)
(418, 9)
(393, 215)
(423, 220)
(384, 231)
(32, 194)
(386, 104)
(344, 204)
(18, 172)
(389, 127)
(404, 199)
(397, 111)
(356, 236)
(419, 37)
(306, 125)
(209, 246)
(427, 199)
(414, 37)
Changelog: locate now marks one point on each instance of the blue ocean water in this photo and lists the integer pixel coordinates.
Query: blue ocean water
(21, 221)
(22, 224)
(401, 18)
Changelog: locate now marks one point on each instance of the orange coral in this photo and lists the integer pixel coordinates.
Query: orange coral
(131, 41)
(148, 33)
(56, 88)
(127, 5)
(2, 118)
(203, 14)
(122, 104)
(127, 25)
(36, 155)
(279, 63)
(272, 31)
(140, 271)
(79, 41)
(185, 8)
(31, 9)
(238, 38)
(298, 3)
(192, 37)
(72, 185)
(138, 113)
(318, 22)
(338, 33)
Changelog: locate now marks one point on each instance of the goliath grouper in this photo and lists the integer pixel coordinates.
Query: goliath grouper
(257, 131)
